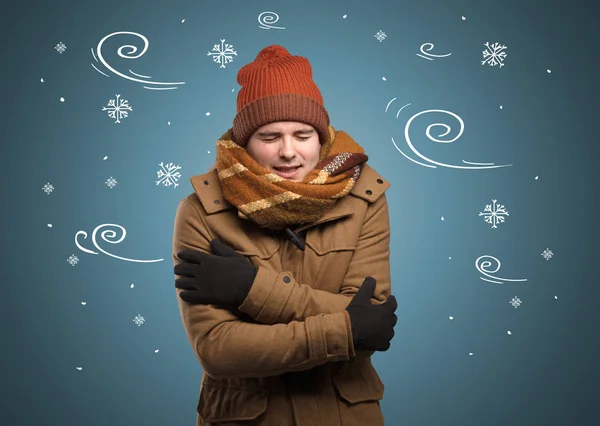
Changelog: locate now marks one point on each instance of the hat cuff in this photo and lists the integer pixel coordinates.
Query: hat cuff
(280, 107)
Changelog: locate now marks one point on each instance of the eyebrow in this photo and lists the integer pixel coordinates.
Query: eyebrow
(301, 131)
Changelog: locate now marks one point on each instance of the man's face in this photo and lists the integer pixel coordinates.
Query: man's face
(285, 144)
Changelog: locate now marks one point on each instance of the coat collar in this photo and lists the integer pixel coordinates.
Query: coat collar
(370, 186)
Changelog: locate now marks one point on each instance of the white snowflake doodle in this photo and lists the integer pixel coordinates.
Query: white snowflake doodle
(138, 320)
(117, 108)
(48, 188)
(73, 260)
(222, 54)
(547, 254)
(380, 36)
(111, 182)
(60, 47)
(494, 54)
(494, 213)
(168, 174)
(515, 301)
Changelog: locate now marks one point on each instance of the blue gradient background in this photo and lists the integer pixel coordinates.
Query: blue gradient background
(545, 373)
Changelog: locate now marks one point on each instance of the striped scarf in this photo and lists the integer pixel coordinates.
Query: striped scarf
(274, 202)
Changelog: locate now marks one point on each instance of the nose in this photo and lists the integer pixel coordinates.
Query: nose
(287, 149)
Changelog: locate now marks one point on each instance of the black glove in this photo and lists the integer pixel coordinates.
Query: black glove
(222, 278)
(372, 325)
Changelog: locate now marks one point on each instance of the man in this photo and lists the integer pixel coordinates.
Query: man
(282, 262)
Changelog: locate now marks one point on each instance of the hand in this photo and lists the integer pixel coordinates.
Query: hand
(372, 325)
(221, 278)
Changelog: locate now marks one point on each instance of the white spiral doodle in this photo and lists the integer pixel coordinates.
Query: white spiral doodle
(266, 19)
(130, 54)
(434, 139)
(106, 234)
(427, 55)
(483, 265)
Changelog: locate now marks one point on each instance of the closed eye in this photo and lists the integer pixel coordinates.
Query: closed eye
(300, 138)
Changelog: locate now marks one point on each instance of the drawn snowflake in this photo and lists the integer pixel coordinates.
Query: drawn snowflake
(494, 54)
(168, 174)
(117, 108)
(60, 47)
(138, 320)
(111, 182)
(380, 36)
(73, 260)
(48, 188)
(222, 54)
(547, 254)
(494, 213)
(515, 301)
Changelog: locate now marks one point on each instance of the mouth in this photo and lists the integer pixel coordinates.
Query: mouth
(287, 172)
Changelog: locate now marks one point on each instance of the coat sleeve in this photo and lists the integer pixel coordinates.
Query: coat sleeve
(272, 300)
(229, 347)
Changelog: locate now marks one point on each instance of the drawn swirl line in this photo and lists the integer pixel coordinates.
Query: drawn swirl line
(483, 269)
(448, 128)
(106, 234)
(270, 18)
(128, 55)
(428, 48)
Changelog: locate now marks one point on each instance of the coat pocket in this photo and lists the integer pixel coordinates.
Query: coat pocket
(359, 383)
(222, 403)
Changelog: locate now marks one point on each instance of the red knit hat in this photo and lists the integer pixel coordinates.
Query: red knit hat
(277, 86)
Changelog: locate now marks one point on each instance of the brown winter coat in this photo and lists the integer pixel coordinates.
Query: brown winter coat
(285, 357)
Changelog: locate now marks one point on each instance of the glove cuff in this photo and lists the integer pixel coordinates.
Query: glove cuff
(245, 287)
(355, 333)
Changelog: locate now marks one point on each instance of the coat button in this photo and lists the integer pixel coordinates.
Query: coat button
(217, 201)
(286, 279)
(369, 192)
(379, 181)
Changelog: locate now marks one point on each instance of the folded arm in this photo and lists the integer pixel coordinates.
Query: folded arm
(271, 300)
(228, 347)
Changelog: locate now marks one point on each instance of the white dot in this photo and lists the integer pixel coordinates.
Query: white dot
(451, 318)
(501, 107)
(548, 71)
(463, 18)
(183, 20)
(62, 99)
(232, 90)
(79, 368)
(442, 217)
(132, 285)
(84, 303)
(168, 123)
(49, 225)
(536, 178)
(450, 257)
(207, 114)
(509, 332)
(555, 297)
(344, 16)
(156, 351)
(384, 79)
(209, 152)
(42, 79)
(105, 157)
(470, 353)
